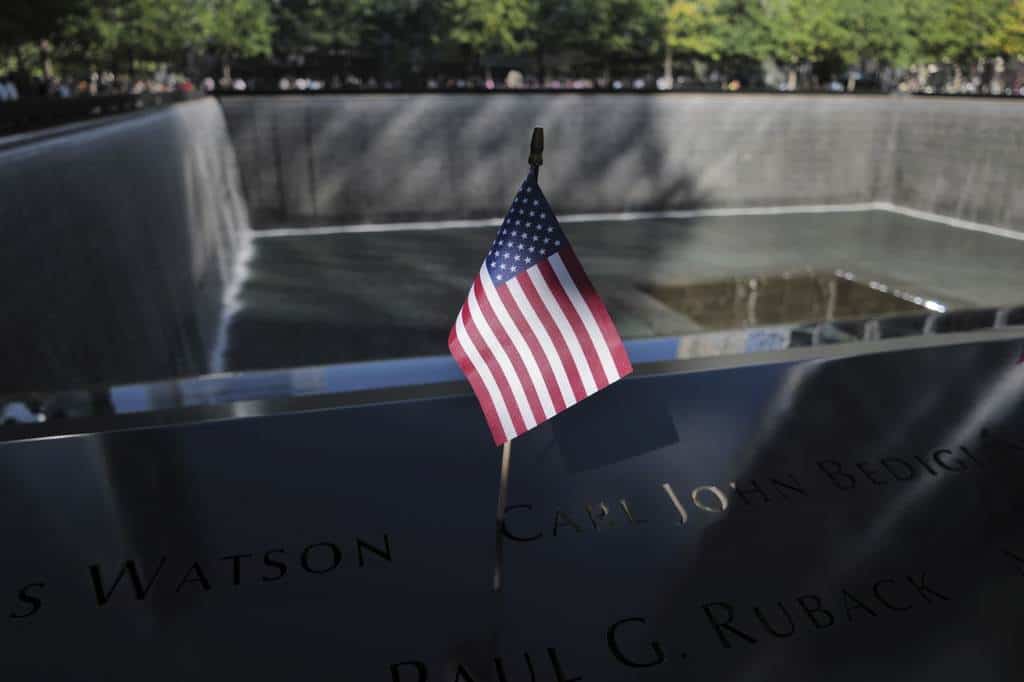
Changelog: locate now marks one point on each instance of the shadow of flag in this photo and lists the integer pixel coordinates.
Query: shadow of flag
(613, 426)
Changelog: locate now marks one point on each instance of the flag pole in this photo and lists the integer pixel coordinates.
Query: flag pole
(506, 457)
(536, 159)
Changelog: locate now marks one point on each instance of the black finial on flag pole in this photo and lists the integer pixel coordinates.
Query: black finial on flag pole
(537, 150)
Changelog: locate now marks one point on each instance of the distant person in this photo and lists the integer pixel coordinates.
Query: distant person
(15, 413)
(209, 85)
(514, 79)
(10, 90)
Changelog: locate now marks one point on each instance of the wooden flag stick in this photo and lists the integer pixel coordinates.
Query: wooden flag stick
(506, 462)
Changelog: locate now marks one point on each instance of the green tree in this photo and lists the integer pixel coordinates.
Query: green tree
(307, 25)
(692, 28)
(236, 28)
(404, 37)
(614, 31)
(551, 25)
(37, 23)
(482, 26)
(744, 30)
(805, 31)
(1007, 38)
(120, 32)
(876, 31)
(954, 31)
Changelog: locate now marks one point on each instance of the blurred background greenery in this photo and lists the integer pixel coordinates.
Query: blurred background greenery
(73, 47)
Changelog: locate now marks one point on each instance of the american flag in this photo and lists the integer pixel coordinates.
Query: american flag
(533, 336)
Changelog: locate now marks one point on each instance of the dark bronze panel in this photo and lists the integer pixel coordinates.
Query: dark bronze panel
(837, 518)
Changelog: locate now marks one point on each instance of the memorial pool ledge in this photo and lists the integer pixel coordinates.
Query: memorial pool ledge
(244, 395)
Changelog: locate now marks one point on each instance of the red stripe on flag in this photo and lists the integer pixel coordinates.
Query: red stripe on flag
(518, 366)
(596, 305)
(575, 382)
(575, 322)
(499, 377)
(535, 348)
(477, 384)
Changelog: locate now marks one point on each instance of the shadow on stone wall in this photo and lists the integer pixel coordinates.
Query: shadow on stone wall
(383, 158)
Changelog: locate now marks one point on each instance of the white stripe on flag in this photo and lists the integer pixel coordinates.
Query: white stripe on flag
(536, 378)
(484, 372)
(580, 304)
(575, 350)
(503, 362)
(537, 327)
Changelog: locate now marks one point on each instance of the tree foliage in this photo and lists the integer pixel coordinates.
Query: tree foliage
(34, 20)
(403, 37)
(490, 25)
(744, 29)
(955, 31)
(235, 28)
(122, 31)
(309, 25)
(1007, 38)
(805, 30)
(694, 27)
(876, 29)
(117, 33)
(615, 31)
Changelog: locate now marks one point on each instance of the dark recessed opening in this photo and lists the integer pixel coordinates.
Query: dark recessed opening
(785, 298)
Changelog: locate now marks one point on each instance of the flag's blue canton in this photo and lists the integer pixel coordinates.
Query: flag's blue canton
(529, 234)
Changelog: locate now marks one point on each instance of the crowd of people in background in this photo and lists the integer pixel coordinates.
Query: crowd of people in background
(997, 78)
(1000, 78)
(15, 87)
(917, 83)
